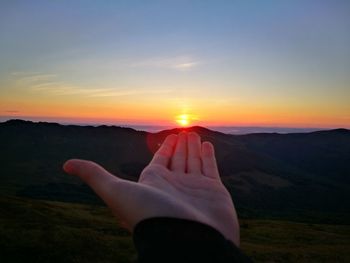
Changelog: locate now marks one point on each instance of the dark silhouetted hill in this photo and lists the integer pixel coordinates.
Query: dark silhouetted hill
(295, 175)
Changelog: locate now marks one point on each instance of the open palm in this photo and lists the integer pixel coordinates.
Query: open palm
(181, 181)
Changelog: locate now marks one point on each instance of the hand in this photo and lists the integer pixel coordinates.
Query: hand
(181, 181)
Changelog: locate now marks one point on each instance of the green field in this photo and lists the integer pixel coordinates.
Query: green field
(45, 231)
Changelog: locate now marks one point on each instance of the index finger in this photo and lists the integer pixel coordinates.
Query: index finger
(165, 151)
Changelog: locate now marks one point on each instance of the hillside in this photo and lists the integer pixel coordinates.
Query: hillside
(301, 176)
(45, 231)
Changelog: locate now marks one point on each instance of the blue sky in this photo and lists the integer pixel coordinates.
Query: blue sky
(277, 57)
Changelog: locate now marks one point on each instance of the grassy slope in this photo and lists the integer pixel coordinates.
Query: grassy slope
(44, 231)
(284, 241)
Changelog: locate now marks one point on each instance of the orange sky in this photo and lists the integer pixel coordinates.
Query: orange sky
(261, 64)
(168, 112)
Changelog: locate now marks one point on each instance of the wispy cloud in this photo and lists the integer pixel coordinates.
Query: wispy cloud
(185, 66)
(177, 63)
(63, 90)
(126, 92)
(34, 78)
(45, 85)
(48, 84)
(24, 73)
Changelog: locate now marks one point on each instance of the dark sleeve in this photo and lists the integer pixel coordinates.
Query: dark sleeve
(164, 239)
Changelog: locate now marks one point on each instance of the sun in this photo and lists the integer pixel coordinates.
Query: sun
(183, 120)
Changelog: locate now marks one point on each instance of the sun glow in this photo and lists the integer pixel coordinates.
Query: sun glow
(183, 120)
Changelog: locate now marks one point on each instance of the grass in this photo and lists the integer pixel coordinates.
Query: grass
(43, 231)
(283, 241)
(46, 231)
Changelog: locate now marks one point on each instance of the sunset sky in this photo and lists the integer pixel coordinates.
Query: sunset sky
(262, 63)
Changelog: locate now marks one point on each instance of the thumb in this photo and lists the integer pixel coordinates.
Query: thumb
(93, 175)
(117, 193)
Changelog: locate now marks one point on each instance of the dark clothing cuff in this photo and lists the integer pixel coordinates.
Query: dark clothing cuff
(165, 239)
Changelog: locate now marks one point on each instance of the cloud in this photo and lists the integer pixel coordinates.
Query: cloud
(24, 73)
(185, 66)
(47, 84)
(61, 89)
(28, 79)
(127, 92)
(177, 63)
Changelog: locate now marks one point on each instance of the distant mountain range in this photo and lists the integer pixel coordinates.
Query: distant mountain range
(299, 176)
(238, 130)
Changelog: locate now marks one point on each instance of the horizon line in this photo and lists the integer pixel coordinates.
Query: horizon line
(236, 130)
(161, 123)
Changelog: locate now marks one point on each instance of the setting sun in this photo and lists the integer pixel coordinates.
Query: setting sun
(183, 120)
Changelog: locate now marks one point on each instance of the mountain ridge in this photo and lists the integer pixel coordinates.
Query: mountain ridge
(266, 173)
(190, 128)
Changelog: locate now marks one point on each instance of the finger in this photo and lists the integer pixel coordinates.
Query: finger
(178, 161)
(93, 175)
(164, 153)
(194, 153)
(209, 165)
